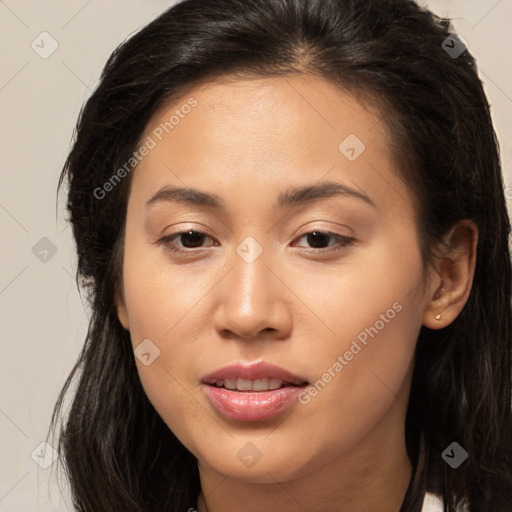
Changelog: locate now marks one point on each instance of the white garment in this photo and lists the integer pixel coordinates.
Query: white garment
(432, 503)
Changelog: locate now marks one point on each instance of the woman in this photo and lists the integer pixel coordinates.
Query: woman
(290, 221)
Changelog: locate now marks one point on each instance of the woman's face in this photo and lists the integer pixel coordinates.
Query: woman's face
(324, 283)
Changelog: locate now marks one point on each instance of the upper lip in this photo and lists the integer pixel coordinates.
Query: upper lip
(260, 370)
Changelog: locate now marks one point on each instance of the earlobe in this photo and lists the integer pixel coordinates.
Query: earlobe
(455, 269)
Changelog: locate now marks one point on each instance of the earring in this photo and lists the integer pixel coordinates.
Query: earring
(438, 317)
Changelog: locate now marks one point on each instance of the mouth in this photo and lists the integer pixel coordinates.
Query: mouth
(260, 376)
(252, 392)
(248, 385)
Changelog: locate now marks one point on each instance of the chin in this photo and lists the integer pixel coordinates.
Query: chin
(256, 466)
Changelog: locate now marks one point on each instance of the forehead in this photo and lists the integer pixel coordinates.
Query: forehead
(279, 109)
(244, 133)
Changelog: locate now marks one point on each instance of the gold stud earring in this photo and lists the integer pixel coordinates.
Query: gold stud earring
(438, 317)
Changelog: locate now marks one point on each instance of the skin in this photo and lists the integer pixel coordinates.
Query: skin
(296, 306)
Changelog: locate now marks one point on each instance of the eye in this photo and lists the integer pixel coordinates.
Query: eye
(193, 239)
(317, 239)
(189, 238)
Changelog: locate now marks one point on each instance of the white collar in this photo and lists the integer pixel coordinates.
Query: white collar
(432, 503)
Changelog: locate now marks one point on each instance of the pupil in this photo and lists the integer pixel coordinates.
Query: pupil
(194, 235)
(317, 238)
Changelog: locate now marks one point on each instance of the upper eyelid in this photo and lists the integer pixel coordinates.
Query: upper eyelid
(310, 229)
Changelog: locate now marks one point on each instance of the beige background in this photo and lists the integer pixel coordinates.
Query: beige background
(43, 322)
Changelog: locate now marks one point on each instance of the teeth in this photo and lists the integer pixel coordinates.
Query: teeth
(275, 383)
(243, 385)
(230, 384)
(260, 385)
(250, 385)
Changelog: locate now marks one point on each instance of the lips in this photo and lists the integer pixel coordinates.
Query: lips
(252, 392)
(254, 377)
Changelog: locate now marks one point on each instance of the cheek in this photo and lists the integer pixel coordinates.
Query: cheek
(373, 298)
(358, 381)
(159, 306)
(373, 311)
(168, 381)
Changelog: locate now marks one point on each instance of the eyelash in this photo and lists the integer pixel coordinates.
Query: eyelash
(169, 244)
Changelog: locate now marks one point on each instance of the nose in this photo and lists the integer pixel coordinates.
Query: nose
(253, 300)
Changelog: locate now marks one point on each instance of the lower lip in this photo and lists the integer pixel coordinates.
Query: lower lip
(252, 406)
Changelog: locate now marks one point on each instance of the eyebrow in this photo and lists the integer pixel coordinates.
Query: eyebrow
(292, 197)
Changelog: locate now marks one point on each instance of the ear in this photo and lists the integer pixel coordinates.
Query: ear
(122, 313)
(455, 270)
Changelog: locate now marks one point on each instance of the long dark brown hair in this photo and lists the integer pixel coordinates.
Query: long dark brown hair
(118, 453)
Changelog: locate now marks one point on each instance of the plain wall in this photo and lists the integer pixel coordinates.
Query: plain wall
(43, 322)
